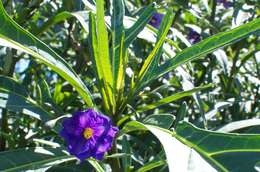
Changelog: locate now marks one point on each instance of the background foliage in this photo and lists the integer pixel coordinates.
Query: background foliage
(175, 102)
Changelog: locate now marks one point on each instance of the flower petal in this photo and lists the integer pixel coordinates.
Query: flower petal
(95, 146)
(98, 130)
(98, 156)
(71, 127)
(112, 132)
(76, 144)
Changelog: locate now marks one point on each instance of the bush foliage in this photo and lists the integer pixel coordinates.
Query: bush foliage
(180, 79)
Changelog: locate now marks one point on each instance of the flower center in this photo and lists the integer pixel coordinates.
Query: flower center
(153, 20)
(88, 132)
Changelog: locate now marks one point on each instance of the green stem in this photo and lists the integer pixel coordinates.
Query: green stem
(176, 17)
(233, 71)
(114, 162)
(213, 12)
(4, 130)
(9, 67)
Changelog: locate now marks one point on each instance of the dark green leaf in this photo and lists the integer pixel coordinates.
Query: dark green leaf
(160, 120)
(31, 159)
(14, 97)
(223, 151)
(139, 25)
(117, 34)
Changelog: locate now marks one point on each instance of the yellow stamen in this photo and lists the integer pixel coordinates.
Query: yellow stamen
(88, 132)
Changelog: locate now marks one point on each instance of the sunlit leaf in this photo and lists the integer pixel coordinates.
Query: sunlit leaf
(206, 46)
(14, 36)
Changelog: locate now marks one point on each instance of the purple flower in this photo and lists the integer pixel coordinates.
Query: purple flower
(156, 20)
(88, 134)
(225, 3)
(194, 37)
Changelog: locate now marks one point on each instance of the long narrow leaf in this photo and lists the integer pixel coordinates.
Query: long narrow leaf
(118, 39)
(164, 28)
(102, 40)
(237, 125)
(96, 165)
(14, 36)
(206, 46)
(15, 98)
(32, 159)
(172, 98)
(132, 32)
(96, 60)
(102, 56)
(122, 62)
(152, 58)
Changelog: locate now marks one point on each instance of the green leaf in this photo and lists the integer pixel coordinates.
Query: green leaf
(118, 155)
(118, 39)
(130, 35)
(156, 162)
(133, 31)
(151, 165)
(122, 59)
(96, 165)
(191, 148)
(14, 36)
(89, 6)
(100, 47)
(132, 126)
(179, 156)
(237, 125)
(71, 167)
(206, 46)
(103, 47)
(182, 112)
(152, 59)
(81, 16)
(46, 94)
(160, 120)
(97, 62)
(32, 159)
(172, 98)
(47, 98)
(126, 148)
(14, 97)
(223, 151)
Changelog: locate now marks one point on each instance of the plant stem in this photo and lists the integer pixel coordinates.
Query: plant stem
(213, 12)
(176, 17)
(9, 67)
(4, 130)
(114, 162)
(233, 71)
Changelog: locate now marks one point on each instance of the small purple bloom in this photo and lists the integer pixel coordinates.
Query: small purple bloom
(225, 3)
(194, 37)
(156, 20)
(88, 134)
